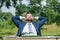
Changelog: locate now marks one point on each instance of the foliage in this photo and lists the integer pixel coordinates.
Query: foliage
(21, 9)
(35, 2)
(6, 23)
(6, 20)
(51, 15)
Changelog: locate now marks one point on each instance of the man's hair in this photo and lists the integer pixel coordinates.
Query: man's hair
(28, 13)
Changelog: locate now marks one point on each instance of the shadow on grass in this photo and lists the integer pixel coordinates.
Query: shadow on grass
(1, 38)
(6, 33)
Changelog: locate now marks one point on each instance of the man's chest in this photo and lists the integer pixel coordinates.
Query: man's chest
(29, 30)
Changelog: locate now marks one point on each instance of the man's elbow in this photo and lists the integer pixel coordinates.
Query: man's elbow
(13, 17)
(45, 19)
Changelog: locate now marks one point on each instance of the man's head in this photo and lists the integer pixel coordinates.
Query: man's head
(29, 16)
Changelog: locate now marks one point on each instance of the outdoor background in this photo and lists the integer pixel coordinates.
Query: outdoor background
(47, 8)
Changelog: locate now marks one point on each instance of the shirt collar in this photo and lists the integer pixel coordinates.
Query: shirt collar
(29, 23)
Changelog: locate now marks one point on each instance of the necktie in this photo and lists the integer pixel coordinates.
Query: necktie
(30, 30)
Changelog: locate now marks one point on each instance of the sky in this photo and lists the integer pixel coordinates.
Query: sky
(13, 10)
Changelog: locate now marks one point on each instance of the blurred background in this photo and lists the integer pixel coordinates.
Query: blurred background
(47, 8)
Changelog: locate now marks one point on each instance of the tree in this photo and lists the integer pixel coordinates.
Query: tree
(50, 11)
(8, 3)
(57, 8)
(34, 2)
(21, 9)
(6, 21)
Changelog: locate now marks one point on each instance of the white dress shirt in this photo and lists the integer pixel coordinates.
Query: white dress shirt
(29, 30)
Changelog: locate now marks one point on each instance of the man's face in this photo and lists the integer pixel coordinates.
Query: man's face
(29, 17)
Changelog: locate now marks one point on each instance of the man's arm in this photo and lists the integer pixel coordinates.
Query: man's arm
(16, 20)
(41, 20)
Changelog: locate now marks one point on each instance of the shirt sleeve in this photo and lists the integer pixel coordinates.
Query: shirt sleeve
(36, 17)
(21, 17)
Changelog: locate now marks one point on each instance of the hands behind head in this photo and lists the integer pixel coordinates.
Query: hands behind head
(29, 18)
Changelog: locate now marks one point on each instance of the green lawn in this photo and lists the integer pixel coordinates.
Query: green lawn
(51, 30)
(47, 30)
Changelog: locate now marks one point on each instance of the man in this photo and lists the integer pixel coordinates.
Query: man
(28, 28)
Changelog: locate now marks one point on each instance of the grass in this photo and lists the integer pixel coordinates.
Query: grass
(51, 30)
(47, 30)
